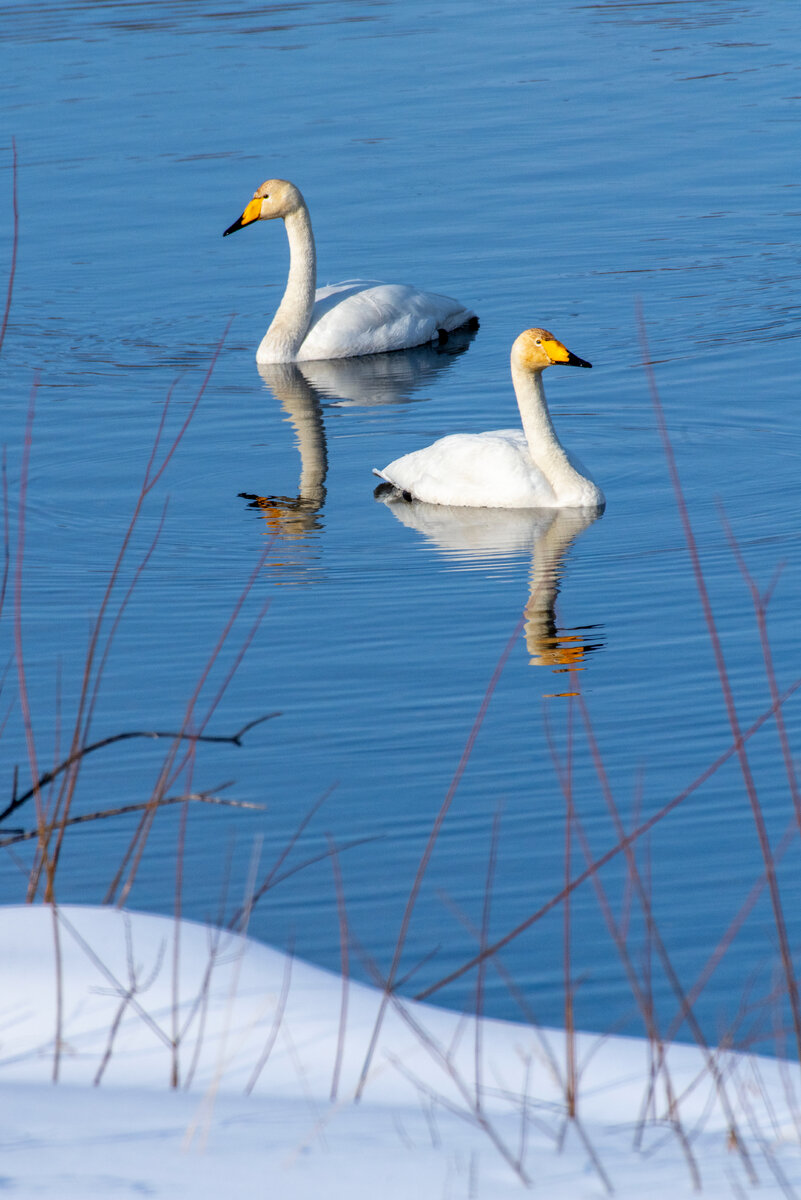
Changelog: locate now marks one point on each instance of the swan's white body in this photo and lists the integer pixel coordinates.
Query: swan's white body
(487, 470)
(341, 320)
(365, 316)
(507, 468)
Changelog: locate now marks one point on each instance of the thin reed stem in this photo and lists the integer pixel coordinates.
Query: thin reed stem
(429, 848)
(760, 603)
(26, 835)
(344, 942)
(728, 695)
(570, 1026)
(492, 862)
(617, 932)
(14, 242)
(610, 854)
(18, 645)
(90, 681)
(270, 879)
(6, 534)
(169, 771)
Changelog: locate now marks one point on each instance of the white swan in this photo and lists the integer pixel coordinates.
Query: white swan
(343, 319)
(508, 468)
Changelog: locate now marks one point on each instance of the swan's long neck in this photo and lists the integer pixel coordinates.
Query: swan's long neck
(290, 324)
(547, 452)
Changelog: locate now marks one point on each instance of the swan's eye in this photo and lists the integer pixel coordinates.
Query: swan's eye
(538, 342)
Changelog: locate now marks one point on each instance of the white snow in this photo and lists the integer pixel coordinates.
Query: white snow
(131, 984)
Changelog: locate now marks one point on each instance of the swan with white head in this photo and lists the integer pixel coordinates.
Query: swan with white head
(507, 468)
(341, 320)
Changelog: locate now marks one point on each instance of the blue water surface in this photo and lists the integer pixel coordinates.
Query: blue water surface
(554, 169)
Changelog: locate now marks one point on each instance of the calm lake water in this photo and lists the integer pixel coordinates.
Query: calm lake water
(549, 171)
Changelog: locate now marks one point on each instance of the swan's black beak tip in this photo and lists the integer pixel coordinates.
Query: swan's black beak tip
(233, 228)
(575, 361)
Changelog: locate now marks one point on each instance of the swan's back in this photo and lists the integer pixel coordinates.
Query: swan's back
(481, 470)
(364, 316)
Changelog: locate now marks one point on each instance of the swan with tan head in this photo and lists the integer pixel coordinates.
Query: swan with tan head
(341, 320)
(507, 468)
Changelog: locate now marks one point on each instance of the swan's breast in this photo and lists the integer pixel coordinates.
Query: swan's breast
(368, 317)
(484, 470)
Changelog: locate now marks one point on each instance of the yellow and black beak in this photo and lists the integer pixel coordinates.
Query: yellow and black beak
(251, 214)
(561, 356)
(573, 360)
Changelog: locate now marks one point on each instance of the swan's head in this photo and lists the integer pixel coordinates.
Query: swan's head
(537, 348)
(275, 198)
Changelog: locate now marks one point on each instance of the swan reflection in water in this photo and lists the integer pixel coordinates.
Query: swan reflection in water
(302, 388)
(468, 535)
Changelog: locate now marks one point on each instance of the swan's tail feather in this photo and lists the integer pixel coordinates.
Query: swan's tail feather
(389, 491)
(465, 321)
(457, 326)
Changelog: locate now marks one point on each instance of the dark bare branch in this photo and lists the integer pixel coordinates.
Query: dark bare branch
(233, 739)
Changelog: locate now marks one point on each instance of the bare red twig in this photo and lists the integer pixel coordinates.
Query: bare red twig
(611, 853)
(617, 930)
(734, 927)
(270, 879)
(18, 647)
(516, 993)
(135, 988)
(728, 694)
(91, 677)
(444, 1057)
(760, 602)
(169, 771)
(655, 938)
(6, 534)
(26, 835)
(118, 987)
(570, 1024)
(275, 1026)
(14, 243)
(176, 935)
(344, 944)
(58, 1043)
(429, 848)
(492, 862)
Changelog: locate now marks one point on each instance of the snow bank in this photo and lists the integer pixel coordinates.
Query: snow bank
(258, 1043)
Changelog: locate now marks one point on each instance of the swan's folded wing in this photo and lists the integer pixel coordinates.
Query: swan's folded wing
(368, 317)
(485, 470)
